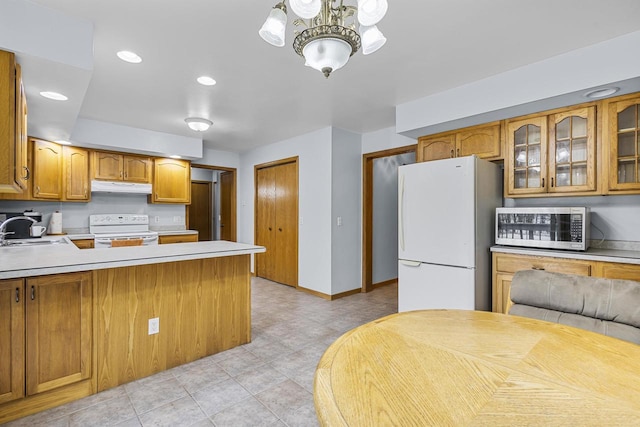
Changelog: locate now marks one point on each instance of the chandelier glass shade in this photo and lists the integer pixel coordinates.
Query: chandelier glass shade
(330, 37)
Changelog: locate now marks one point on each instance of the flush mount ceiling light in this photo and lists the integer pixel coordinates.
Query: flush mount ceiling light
(602, 92)
(330, 37)
(198, 124)
(129, 56)
(175, 156)
(54, 95)
(206, 81)
(62, 142)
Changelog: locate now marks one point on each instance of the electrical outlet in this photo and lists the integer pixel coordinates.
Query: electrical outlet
(154, 326)
(177, 218)
(339, 221)
(157, 219)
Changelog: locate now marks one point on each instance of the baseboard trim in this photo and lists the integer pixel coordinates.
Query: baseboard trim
(385, 283)
(330, 297)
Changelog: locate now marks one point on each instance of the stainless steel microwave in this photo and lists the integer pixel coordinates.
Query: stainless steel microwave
(554, 228)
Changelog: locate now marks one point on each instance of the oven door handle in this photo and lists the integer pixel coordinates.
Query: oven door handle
(99, 240)
(149, 239)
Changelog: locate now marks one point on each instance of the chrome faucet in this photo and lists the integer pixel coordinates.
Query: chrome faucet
(3, 227)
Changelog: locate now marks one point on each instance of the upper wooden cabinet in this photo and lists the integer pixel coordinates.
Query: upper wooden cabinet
(13, 143)
(47, 169)
(624, 145)
(171, 181)
(121, 167)
(76, 174)
(484, 141)
(553, 153)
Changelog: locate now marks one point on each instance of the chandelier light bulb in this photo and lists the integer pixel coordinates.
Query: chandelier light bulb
(306, 9)
(372, 39)
(370, 12)
(273, 29)
(198, 123)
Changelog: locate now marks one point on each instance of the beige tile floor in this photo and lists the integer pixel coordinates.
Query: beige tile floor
(268, 382)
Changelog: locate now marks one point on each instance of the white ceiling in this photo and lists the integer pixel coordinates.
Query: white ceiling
(265, 94)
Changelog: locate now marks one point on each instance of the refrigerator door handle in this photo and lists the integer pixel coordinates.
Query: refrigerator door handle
(401, 213)
(410, 263)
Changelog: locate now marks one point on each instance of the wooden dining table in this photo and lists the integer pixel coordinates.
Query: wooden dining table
(474, 368)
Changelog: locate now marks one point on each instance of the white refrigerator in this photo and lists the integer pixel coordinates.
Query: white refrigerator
(446, 215)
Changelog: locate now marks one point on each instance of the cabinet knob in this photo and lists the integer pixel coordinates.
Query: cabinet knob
(27, 173)
(458, 152)
(279, 229)
(452, 152)
(269, 228)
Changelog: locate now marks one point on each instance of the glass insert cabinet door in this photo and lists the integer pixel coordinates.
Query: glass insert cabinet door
(527, 140)
(572, 150)
(624, 138)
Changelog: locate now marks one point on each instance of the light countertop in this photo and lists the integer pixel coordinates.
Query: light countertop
(591, 254)
(63, 258)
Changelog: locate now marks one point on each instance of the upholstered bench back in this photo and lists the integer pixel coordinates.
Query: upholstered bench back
(610, 307)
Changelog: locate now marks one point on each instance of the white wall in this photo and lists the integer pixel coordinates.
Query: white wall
(227, 159)
(617, 216)
(520, 91)
(384, 139)
(385, 216)
(314, 234)
(75, 216)
(346, 240)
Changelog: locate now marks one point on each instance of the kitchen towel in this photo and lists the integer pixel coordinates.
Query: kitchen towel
(55, 225)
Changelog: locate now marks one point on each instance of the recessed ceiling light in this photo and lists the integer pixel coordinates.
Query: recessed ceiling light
(198, 124)
(206, 81)
(601, 93)
(54, 95)
(175, 156)
(129, 56)
(62, 142)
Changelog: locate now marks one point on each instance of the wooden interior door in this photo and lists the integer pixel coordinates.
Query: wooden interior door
(227, 201)
(265, 222)
(286, 201)
(201, 209)
(277, 221)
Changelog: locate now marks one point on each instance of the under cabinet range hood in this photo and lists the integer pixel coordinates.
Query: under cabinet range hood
(120, 187)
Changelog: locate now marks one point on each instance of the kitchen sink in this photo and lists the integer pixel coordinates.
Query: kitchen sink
(33, 242)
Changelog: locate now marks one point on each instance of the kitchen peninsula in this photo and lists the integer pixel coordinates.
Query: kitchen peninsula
(84, 321)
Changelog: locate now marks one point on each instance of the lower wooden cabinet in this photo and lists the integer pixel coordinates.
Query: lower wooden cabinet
(84, 243)
(505, 266)
(177, 238)
(45, 333)
(11, 340)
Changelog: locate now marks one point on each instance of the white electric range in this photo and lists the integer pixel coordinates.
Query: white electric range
(109, 227)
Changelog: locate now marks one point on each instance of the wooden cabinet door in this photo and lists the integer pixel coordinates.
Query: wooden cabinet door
(227, 207)
(483, 141)
(76, 174)
(47, 170)
(502, 293)
(266, 222)
(526, 159)
(21, 167)
(84, 243)
(136, 168)
(11, 339)
(171, 181)
(624, 145)
(58, 330)
(286, 225)
(612, 270)
(107, 166)
(177, 238)
(436, 148)
(572, 151)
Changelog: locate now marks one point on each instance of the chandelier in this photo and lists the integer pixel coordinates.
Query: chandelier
(330, 37)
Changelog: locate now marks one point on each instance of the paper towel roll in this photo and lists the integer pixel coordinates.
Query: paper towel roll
(55, 225)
